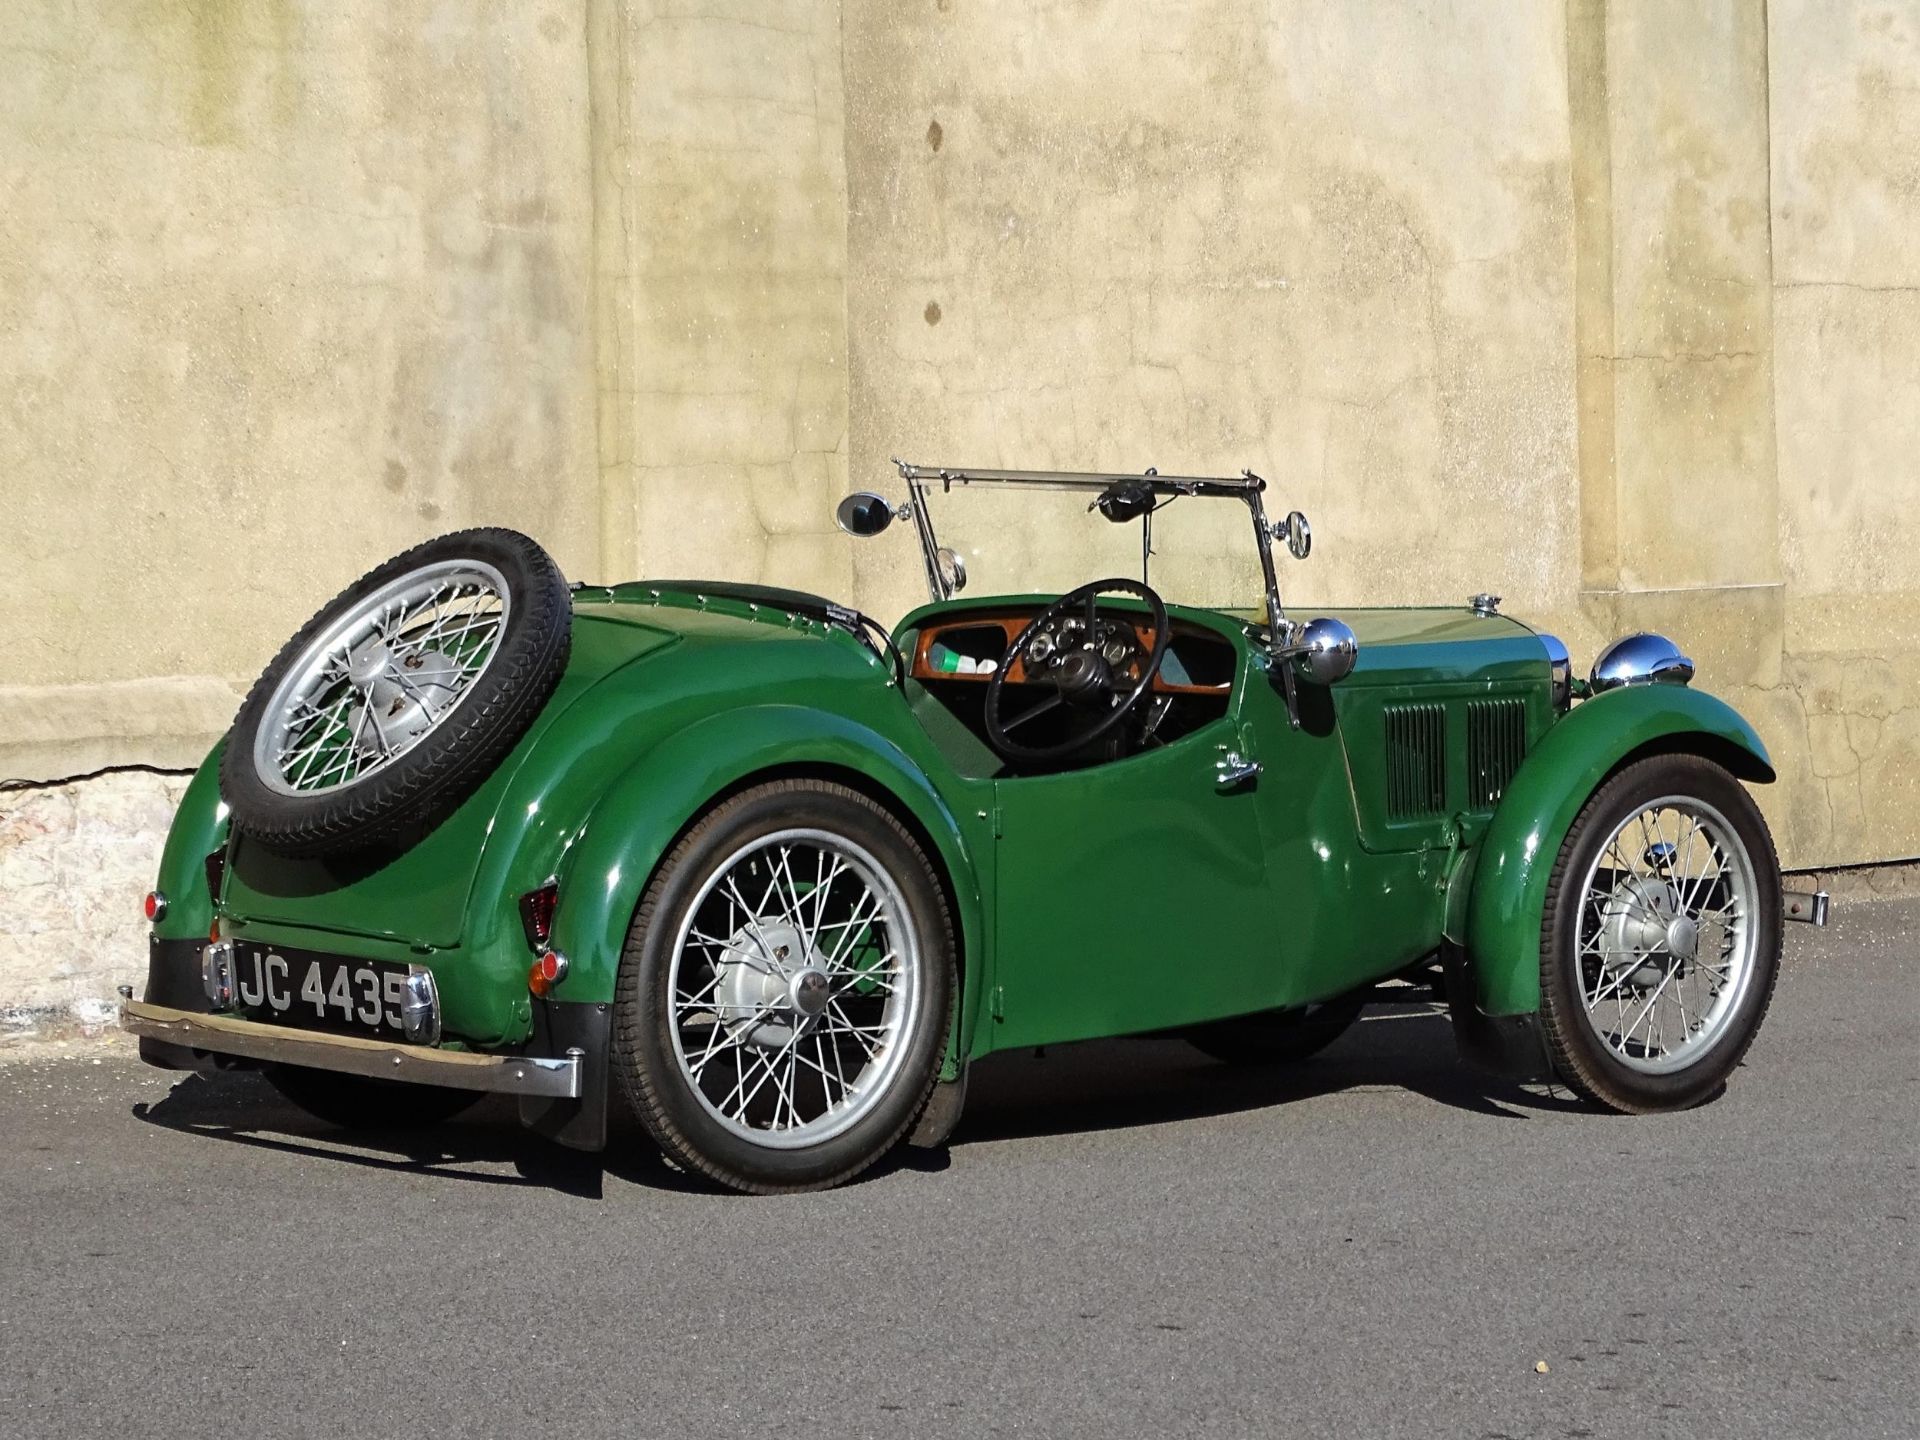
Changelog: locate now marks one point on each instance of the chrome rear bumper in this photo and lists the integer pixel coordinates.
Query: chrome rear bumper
(354, 1054)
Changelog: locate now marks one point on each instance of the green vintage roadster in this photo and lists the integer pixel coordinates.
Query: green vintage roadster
(772, 878)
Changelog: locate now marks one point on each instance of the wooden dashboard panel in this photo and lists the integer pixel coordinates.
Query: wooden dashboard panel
(1010, 625)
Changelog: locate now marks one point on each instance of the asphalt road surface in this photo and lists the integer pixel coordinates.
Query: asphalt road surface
(1124, 1239)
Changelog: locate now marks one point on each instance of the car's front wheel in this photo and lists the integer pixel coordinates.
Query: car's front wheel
(786, 989)
(1660, 937)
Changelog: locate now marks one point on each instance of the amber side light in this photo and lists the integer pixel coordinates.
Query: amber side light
(548, 971)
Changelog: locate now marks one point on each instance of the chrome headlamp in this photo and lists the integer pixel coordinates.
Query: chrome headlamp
(1643, 659)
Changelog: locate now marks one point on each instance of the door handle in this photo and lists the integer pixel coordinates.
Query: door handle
(1233, 769)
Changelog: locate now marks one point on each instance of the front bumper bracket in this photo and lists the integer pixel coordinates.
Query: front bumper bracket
(556, 1078)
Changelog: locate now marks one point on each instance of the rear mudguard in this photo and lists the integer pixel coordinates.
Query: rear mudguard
(1498, 894)
(176, 939)
(643, 811)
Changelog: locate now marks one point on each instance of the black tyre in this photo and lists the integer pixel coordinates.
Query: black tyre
(354, 1102)
(1660, 938)
(1278, 1037)
(786, 989)
(393, 703)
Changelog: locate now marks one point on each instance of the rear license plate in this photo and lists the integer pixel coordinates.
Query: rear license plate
(318, 992)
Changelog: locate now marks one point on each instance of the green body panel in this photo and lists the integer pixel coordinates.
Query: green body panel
(199, 828)
(1130, 896)
(857, 738)
(1402, 647)
(420, 893)
(665, 701)
(1140, 896)
(1506, 890)
(1427, 658)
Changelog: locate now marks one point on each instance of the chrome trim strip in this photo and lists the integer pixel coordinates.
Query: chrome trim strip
(354, 1054)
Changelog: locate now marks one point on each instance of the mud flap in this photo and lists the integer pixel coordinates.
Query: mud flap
(1511, 1046)
(559, 1027)
(936, 1122)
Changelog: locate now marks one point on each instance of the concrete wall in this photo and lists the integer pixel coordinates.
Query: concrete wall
(1844, 176)
(1611, 306)
(283, 289)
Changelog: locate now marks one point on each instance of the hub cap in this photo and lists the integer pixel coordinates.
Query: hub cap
(381, 678)
(1667, 935)
(795, 982)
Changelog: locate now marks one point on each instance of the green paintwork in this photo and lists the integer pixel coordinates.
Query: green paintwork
(1514, 861)
(1131, 896)
(199, 828)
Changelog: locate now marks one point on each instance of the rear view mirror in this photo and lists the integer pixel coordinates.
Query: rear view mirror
(864, 513)
(1298, 535)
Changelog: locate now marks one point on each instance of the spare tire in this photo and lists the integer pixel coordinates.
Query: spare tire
(390, 706)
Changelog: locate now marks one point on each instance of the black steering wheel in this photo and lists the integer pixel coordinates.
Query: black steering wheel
(1092, 664)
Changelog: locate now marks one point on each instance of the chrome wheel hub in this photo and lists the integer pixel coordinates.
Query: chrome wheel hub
(770, 983)
(810, 994)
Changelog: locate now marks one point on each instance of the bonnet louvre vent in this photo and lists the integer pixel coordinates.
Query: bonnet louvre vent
(1496, 744)
(1416, 761)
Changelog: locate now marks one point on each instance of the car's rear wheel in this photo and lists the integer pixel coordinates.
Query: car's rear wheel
(354, 1102)
(388, 707)
(786, 989)
(1278, 1037)
(1660, 938)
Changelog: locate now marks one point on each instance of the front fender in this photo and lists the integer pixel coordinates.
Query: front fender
(652, 802)
(1506, 880)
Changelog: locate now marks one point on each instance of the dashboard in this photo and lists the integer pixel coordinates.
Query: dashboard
(1198, 661)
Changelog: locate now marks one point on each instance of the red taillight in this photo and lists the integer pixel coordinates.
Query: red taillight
(156, 906)
(548, 971)
(536, 914)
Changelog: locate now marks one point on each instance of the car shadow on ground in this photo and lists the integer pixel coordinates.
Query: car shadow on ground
(1097, 1085)
(1114, 1084)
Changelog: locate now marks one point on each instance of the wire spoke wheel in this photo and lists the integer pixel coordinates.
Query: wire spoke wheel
(786, 993)
(1666, 941)
(1660, 936)
(794, 978)
(395, 701)
(381, 678)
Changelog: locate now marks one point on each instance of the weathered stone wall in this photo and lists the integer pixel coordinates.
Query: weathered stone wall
(284, 287)
(1607, 305)
(1845, 184)
(75, 861)
(724, 373)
